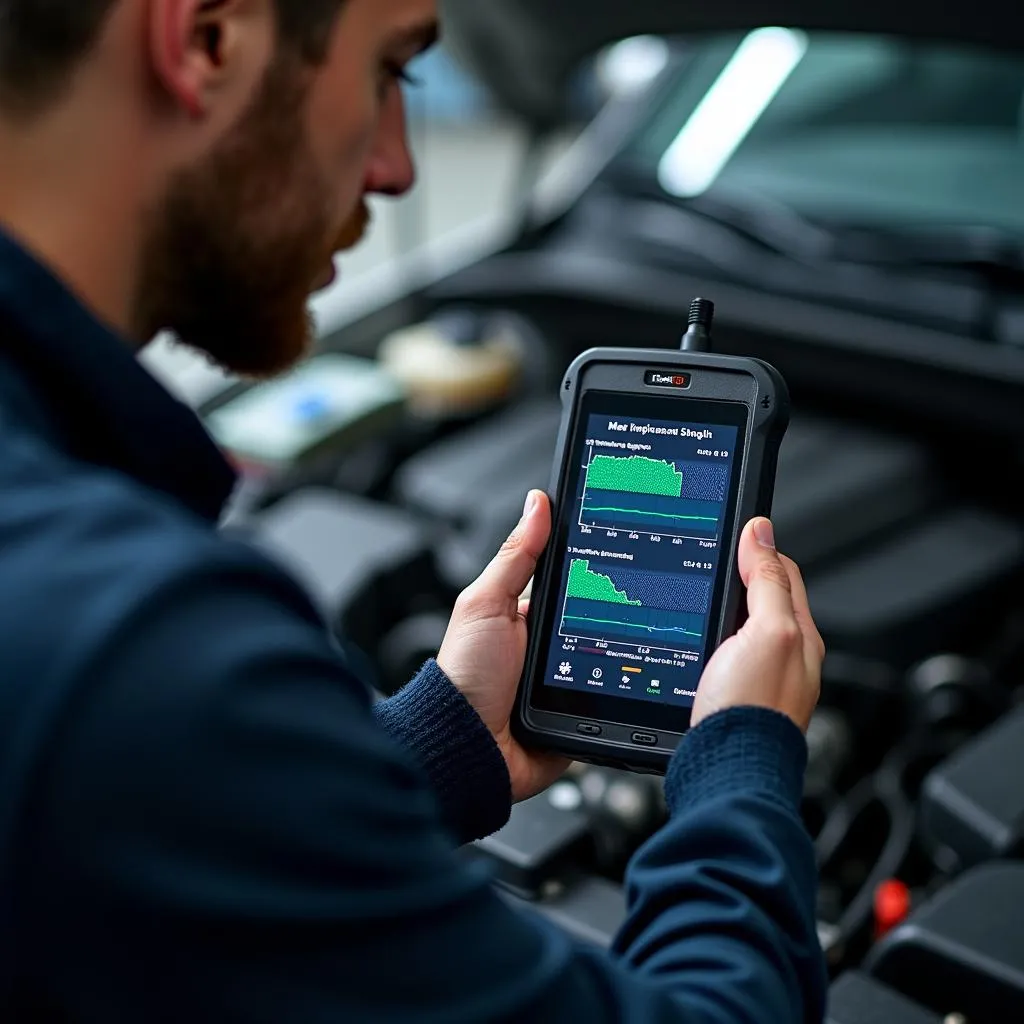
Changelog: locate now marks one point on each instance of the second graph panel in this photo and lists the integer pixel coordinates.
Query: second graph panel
(635, 608)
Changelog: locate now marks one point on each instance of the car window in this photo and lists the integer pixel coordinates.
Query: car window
(848, 128)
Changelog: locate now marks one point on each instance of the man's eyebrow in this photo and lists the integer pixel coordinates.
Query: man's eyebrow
(418, 37)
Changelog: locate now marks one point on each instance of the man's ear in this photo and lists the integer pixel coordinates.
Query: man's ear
(203, 52)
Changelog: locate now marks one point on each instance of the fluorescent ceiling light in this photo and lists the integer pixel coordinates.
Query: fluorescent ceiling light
(729, 110)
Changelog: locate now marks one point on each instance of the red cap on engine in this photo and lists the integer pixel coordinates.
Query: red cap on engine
(892, 905)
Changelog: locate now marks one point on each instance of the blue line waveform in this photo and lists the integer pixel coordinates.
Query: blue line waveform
(652, 512)
(629, 623)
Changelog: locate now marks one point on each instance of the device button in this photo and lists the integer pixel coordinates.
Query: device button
(588, 730)
(645, 739)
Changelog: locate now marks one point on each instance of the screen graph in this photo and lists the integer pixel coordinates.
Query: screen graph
(635, 608)
(630, 612)
(639, 494)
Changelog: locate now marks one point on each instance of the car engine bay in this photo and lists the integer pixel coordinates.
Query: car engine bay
(389, 478)
(912, 544)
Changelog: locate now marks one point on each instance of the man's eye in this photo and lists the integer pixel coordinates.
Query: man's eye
(400, 73)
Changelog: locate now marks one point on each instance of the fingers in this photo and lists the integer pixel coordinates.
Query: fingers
(524, 600)
(776, 593)
(769, 587)
(502, 584)
(813, 642)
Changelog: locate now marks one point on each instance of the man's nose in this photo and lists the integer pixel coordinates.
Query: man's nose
(391, 171)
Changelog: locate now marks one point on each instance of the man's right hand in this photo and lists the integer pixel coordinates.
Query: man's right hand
(775, 660)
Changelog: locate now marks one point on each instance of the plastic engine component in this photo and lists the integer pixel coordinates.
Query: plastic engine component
(839, 485)
(942, 581)
(539, 843)
(856, 998)
(962, 951)
(476, 483)
(973, 804)
(362, 563)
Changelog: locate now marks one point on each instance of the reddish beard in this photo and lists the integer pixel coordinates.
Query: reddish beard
(354, 229)
(240, 240)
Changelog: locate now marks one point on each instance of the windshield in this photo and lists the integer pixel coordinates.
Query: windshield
(846, 129)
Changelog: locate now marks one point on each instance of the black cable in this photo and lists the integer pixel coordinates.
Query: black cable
(885, 788)
(841, 819)
(698, 334)
(888, 793)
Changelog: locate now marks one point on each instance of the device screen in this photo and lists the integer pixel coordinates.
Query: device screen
(636, 594)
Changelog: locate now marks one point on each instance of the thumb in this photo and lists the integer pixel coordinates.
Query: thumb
(769, 587)
(503, 581)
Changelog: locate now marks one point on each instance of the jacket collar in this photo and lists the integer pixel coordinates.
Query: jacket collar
(106, 407)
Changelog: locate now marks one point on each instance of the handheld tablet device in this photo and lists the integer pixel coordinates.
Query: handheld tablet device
(663, 457)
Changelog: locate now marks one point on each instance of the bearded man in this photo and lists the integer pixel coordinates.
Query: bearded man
(204, 816)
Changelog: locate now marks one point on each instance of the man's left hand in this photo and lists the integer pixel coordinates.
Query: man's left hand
(485, 646)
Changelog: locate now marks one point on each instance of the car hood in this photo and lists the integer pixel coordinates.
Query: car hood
(525, 51)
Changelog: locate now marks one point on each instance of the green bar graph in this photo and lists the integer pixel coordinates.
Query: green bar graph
(636, 474)
(592, 586)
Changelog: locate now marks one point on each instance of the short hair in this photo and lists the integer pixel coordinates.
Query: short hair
(43, 41)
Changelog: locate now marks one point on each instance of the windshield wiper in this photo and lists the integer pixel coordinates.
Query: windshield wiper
(956, 278)
(752, 219)
(771, 224)
(994, 256)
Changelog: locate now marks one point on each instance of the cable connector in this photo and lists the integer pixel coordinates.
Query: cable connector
(698, 335)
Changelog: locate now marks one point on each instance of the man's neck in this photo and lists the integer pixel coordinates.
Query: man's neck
(75, 208)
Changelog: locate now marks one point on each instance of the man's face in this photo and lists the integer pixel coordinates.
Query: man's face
(245, 236)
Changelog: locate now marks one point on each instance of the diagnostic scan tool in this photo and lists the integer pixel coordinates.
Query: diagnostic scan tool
(663, 457)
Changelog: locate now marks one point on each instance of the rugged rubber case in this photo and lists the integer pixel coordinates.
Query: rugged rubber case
(715, 378)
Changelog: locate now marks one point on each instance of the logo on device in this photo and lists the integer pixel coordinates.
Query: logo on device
(659, 379)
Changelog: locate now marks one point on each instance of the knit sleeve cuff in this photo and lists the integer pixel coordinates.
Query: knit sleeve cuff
(740, 749)
(436, 723)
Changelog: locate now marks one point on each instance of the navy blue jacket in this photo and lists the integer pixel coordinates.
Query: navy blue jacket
(204, 816)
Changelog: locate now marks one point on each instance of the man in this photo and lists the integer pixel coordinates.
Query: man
(203, 817)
